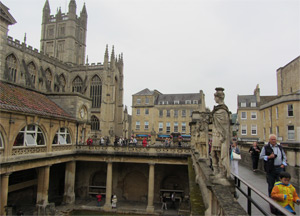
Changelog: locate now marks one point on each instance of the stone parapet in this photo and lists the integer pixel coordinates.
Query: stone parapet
(32, 157)
(218, 199)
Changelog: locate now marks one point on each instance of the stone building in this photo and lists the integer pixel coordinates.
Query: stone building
(260, 116)
(90, 92)
(154, 113)
(51, 101)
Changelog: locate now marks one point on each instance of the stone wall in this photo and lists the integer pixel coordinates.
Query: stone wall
(130, 180)
(218, 199)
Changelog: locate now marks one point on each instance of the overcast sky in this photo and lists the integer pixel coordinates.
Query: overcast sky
(183, 46)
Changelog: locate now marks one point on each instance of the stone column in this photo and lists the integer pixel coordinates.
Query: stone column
(43, 185)
(69, 194)
(4, 192)
(150, 207)
(108, 192)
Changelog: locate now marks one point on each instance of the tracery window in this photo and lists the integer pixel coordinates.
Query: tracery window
(96, 91)
(61, 137)
(12, 66)
(95, 124)
(77, 84)
(30, 135)
(32, 71)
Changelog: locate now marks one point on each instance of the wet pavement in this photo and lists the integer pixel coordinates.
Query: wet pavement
(258, 180)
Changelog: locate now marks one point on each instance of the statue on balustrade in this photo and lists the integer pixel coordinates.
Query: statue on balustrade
(220, 136)
(111, 133)
(203, 134)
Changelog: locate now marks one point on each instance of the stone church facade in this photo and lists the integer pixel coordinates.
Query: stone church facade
(91, 93)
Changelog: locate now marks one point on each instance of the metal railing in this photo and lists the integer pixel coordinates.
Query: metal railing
(250, 200)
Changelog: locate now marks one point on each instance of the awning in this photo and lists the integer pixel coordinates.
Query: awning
(163, 136)
(141, 135)
(186, 136)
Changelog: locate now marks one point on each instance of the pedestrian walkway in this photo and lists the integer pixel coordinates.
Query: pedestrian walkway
(258, 181)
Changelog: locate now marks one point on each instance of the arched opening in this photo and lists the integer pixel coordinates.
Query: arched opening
(96, 91)
(95, 123)
(30, 135)
(98, 183)
(62, 137)
(135, 187)
(12, 67)
(77, 85)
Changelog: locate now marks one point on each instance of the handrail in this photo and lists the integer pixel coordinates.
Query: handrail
(250, 201)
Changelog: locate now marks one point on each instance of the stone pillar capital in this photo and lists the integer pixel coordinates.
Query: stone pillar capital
(7, 174)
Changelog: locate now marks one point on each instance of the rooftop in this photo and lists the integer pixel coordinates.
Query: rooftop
(16, 98)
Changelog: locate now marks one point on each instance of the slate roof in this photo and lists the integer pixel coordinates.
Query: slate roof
(246, 99)
(267, 99)
(15, 98)
(178, 97)
(146, 91)
(252, 98)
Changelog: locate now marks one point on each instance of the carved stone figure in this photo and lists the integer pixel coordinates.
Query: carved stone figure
(220, 136)
(111, 133)
(203, 134)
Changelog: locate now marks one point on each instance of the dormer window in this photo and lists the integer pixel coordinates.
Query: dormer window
(188, 102)
(253, 104)
(243, 104)
(176, 102)
(195, 102)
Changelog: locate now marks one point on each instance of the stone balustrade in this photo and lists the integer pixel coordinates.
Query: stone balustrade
(218, 199)
(136, 149)
(20, 153)
(28, 150)
(56, 148)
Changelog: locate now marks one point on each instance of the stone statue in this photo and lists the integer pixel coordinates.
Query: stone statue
(220, 136)
(111, 133)
(203, 132)
(153, 136)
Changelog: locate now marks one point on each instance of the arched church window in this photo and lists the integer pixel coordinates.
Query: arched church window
(32, 71)
(12, 65)
(95, 124)
(49, 76)
(96, 91)
(30, 135)
(61, 137)
(77, 85)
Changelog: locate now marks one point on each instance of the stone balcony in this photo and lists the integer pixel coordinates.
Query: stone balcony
(30, 157)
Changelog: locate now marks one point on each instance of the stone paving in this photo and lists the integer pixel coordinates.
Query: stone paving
(258, 180)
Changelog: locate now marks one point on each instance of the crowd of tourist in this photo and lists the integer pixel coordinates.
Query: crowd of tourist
(133, 141)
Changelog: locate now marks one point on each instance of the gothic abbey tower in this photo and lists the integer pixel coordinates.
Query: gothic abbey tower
(63, 36)
(91, 93)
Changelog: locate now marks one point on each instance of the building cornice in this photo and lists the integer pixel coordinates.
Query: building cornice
(282, 99)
